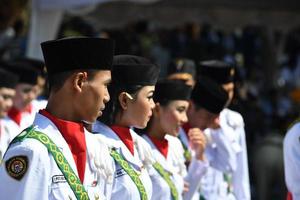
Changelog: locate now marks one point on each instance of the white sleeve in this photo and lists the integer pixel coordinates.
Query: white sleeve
(196, 170)
(220, 153)
(291, 152)
(241, 183)
(34, 182)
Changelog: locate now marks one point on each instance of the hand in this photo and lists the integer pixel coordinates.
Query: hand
(198, 142)
(186, 187)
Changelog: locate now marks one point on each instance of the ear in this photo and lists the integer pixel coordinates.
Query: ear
(123, 100)
(78, 80)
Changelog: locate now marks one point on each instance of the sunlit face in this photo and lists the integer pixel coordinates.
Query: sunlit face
(229, 88)
(91, 101)
(139, 110)
(173, 116)
(25, 93)
(6, 100)
(39, 88)
(200, 118)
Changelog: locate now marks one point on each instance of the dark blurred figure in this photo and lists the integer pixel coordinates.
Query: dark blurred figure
(268, 168)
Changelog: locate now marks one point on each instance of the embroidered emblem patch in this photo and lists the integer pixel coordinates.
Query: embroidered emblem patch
(17, 166)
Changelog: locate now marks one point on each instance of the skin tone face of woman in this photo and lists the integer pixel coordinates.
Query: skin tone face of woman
(173, 116)
(137, 111)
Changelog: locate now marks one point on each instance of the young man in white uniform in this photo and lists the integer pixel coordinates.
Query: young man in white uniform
(233, 182)
(57, 158)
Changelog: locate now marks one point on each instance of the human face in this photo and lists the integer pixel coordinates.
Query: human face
(25, 93)
(39, 88)
(6, 100)
(200, 118)
(173, 116)
(229, 88)
(139, 110)
(93, 97)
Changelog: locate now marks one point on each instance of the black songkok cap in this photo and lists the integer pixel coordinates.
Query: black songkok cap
(35, 63)
(134, 70)
(182, 65)
(77, 53)
(8, 79)
(209, 95)
(218, 71)
(25, 72)
(168, 90)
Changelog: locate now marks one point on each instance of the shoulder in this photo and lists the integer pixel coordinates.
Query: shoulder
(293, 135)
(232, 118)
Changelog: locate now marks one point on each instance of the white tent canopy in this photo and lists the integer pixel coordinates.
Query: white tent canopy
(46, 16)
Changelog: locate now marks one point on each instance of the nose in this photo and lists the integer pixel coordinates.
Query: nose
(106, 96)
(184, 118)
(152, 104)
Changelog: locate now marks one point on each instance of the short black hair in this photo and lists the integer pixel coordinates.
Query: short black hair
(55, 82)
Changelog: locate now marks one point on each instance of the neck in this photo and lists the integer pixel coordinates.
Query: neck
(155, 130)
(61, 109)
(121, 121)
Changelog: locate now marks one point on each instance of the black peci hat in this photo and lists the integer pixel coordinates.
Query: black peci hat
(218, 71)
(182, 65)
(77, 53)
(39, 65)
(8, 79)
(168, 90)
(209, 95)
(26, 73)
(134, 70)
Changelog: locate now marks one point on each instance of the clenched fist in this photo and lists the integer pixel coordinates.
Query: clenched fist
(198, 142)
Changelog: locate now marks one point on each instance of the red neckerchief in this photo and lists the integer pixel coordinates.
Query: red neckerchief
(125, 136)
(186, 127)
(16, 115)
(161, 145)
(289, 196)
(73, 133)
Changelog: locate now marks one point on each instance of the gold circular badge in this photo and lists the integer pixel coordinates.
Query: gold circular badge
(16, 166)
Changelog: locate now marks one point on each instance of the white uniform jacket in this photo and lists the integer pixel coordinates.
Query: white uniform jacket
(175, 164)
(291, 153)
(42, 179)
(27, 118)
(123, 186)
(227, 145)
(8, 131)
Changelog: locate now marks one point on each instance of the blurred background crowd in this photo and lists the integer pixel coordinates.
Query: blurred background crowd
(267, 56)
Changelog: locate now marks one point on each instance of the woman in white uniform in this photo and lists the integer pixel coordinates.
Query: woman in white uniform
(172, 100)
(131, 91)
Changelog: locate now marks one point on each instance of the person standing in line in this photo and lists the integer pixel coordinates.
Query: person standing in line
(132, 87)
(231, 124)
(56, 157)
(22, 112)
(172, 100)
(291, 156)
(8, 128)
(207, 101)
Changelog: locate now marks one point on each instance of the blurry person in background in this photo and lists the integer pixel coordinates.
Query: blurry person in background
(231, 125)
(183, 69)
(8, 129)
(208, 99)
(22, 111)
